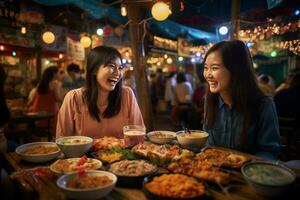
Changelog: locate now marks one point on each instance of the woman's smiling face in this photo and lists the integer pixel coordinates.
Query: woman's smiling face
(216, 74)
(109, 75)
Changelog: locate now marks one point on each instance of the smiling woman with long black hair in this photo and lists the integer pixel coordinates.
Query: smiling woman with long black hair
(237, 113)
(103, 106)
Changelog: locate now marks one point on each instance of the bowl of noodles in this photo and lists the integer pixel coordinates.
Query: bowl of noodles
(92, 184)
(38, 152)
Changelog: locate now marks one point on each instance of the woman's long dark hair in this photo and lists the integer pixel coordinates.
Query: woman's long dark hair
(99, 56)
(5, 114)
(245, 92)
(47, 76)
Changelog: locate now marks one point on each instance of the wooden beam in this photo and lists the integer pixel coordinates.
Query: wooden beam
(136, 32)
(235, 18)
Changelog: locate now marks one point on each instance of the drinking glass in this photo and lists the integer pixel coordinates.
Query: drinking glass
(134, 134)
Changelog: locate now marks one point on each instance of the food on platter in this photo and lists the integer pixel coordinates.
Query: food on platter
(115, 154)
(132, 168)
(38, 171)
(41, 149)
(200, 169)
(175, 186)
(63, 166)
(88, 181)
(222, 158)
(107, 143)
(166, 151)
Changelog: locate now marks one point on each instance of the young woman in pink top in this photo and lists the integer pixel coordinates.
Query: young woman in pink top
(103, 106)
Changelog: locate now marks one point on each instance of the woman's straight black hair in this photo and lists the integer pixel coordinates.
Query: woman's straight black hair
(101, 55)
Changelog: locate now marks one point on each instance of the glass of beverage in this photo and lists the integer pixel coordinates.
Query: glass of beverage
(134, 134)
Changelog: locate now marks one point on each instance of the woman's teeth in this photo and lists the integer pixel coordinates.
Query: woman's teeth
(113, 80)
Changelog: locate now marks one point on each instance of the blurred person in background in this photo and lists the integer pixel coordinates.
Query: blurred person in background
(32, 93)
(129, 80)
(288, 100)
(265, 85)
(199, 97)
(74, 79)
(170, 91)
(183, 105)
(48, 94)
(103, 106)
(238, 115)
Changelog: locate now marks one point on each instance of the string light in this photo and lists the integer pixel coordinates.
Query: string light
(261, 33)
(165, 43)
(291, 45)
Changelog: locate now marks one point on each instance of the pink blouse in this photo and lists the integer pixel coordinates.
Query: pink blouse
(74, 118)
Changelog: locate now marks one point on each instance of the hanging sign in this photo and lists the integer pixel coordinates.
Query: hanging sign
(75, 49)
(184, 48)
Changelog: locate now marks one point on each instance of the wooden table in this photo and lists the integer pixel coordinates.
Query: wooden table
(242, 192)
(30, 119)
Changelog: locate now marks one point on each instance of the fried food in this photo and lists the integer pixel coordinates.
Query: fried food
(175, 186)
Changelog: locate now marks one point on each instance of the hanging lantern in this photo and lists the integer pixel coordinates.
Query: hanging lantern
(48, 37)
(160, 11)
(85, 41)
(123, 10)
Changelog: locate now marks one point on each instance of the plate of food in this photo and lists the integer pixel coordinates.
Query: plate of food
(161, 154)
(38, 152)
(114, 154)
(131, 173)
(107, 143)
(223, 158)
(70, 165)
(174, 186)
(200, 169)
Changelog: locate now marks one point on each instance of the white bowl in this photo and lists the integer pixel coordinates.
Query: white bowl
(37, 158)
(196, 139)
(74, 164)
(267, 178)
(71, 148)
(94, 193)
(161, 137)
